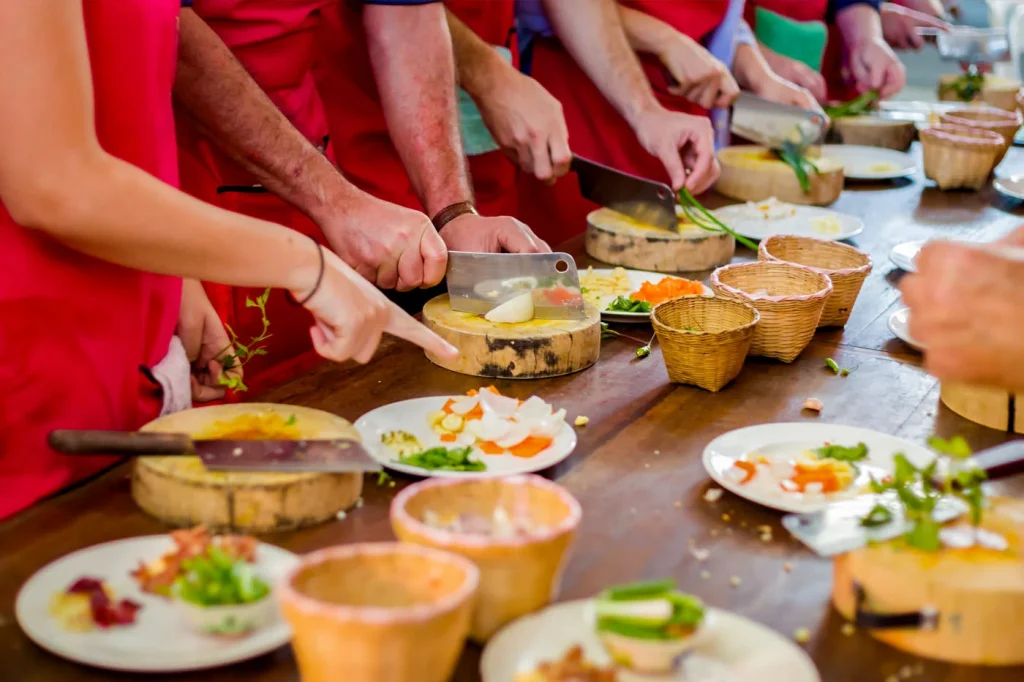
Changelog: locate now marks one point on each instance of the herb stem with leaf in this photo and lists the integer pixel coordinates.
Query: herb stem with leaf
(705, 220)
(238, 354)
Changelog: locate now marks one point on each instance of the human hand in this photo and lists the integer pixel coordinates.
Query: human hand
(478, 234)
(797, 73)
(967, 311)
(527, 121)
(203, 336)
(784, 92)
(683, 143)
(699, 76)
(900, 24)
(390, 245)
(351, 316)
(872, 65)
(932, 8)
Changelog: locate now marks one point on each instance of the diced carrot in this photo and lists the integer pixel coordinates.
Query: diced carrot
(531, 446)
(826, 477)
(447, 409)
(667, 288)
(476, 413)
(749, 467)
(472, 392)
(490, 448)
(448, 437)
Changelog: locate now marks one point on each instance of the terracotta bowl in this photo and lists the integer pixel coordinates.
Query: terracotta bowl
(386, 612)
(519, 574)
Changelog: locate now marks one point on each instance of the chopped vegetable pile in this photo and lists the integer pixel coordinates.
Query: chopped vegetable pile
(217, 579)
(667, 288)
(628, 304)
(157, 576)
(453, 459)
(653, 610)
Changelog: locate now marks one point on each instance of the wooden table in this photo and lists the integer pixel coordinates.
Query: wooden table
(636, 470)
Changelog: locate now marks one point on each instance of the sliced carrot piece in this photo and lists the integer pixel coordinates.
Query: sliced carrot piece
(448, 437)
(476, 413)
(472, 392)
(447, 409)
(531, 446)
(749, 467)
(490, 448)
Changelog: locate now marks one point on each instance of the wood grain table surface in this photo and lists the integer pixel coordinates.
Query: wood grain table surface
(637, 469)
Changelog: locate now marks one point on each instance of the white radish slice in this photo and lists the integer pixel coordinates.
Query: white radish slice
(550, 426)
(500, 405)
(532, 410)
(517, 433)
(514, 310)
(465, 404)
(492, 428)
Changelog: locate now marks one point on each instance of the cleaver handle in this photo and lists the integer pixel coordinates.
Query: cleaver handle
(80, 442)
(1002, 461)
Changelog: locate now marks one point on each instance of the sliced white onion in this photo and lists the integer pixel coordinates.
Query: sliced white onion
(465, 404)
(500, 405)
(533, 409)
(517, 433)
(513, 311)
(492, 428)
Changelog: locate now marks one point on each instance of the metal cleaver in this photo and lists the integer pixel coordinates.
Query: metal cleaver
(646, 201)
(772, 124)
(479, 282)
(327, 456)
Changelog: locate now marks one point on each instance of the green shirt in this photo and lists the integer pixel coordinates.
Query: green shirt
(476, 139)
(803, 41)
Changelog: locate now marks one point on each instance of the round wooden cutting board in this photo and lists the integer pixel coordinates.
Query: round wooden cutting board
(530, 350)
(991, 407)
(972, 599)
(875, 132)
(752, 173)
(180, 491)
(617, 239)
(996, 91)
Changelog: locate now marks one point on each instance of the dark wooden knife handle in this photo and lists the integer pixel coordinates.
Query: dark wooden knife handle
(75, 442)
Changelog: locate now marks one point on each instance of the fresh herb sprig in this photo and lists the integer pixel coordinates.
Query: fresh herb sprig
(448, 459)
(625, 304)
(215, 579)
(238, 354)
(855, 107)
(794, 155)
(705, 220)
(968, 86)
(843, 453)
(918, 494)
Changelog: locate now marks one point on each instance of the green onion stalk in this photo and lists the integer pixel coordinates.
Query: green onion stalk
(704, 219)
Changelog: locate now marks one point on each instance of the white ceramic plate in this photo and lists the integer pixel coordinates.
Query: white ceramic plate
(792, 439)
(903, 255)
(736, 649)
(160, 640)
(899, 325)
(1012, 186)
(411, 416)
(802, 224)
(636, 279)
(870, 163)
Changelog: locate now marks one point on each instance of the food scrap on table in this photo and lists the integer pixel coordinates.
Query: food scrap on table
(581, 420)
(814, 405)
(572, 667)
(88, 604)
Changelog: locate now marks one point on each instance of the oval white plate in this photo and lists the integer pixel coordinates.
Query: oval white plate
(899, 325)
(160, 640)
(1012, 186)
(791, 439)
(903, 255)
(857, 161)
(800, 225)
(637, 278)
(736, 649)
(411, 416)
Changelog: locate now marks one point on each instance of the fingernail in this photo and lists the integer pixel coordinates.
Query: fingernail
(452, 350)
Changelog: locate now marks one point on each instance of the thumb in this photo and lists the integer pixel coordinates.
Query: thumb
(402, 325)
(435, 257)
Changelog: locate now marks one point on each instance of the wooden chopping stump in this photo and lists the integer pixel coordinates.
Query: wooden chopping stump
(752, 173)
(530, 350)
(991, 407)
(181, 492)
(616, 239)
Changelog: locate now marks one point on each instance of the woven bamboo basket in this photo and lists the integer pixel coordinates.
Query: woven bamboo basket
(790, 299)
(1006, 123)
(956, 157)
(844, 265)
(704, 340)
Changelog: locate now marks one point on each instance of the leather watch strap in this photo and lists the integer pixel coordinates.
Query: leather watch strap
(450, 213)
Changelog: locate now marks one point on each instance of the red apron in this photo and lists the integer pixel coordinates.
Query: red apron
(813, 10)
(74, 330)
(274, 40)
(596, 130)
(359, 132)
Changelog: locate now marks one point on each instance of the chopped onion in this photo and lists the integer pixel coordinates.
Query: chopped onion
(514, 310)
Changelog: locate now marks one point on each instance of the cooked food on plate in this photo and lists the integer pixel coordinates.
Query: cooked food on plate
(648, 626)
(88, 604)
(811, 474)
(616, 293)
(572, 667)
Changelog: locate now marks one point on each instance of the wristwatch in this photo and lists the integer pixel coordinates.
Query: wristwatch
(450, 213)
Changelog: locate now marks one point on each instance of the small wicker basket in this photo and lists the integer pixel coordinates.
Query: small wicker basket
(956, 157)
(1006, 123)
(704, 340)
(789, 298)
(844, 265)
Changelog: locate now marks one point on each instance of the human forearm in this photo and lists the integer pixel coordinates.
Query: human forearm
(477, 64)
(411, 53)
(592, 32)
(859, 23)
(750, 68)
(221, 98)
(645, 33)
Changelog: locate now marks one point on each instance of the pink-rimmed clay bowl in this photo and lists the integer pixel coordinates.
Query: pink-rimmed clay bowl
(379, 612)
(519, 574)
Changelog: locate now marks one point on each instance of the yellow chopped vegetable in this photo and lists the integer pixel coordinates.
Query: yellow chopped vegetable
(600, 290)
(402, 443)
(582, 421)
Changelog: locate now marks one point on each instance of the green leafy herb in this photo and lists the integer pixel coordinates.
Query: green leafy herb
(956, 447)
(626, 610)
(705, 220)
(968, 86)
(625, 304)
(842, 453)
(238, 354)
(215, 579)
(454, 459)
(878, 516)
(854, 107)
(291, 420)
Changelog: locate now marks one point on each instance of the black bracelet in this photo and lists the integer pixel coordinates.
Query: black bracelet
(320, 275)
